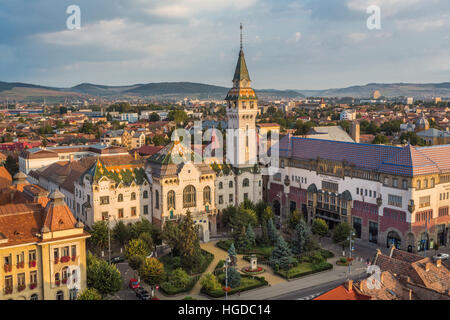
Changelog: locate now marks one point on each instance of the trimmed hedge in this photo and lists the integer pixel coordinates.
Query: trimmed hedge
(169, 290)
(207, 261)
(315, 268)
(220, 293)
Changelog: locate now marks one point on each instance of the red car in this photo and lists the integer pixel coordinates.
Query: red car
(133, 284)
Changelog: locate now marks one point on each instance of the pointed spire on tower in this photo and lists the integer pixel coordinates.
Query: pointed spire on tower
(241, 36)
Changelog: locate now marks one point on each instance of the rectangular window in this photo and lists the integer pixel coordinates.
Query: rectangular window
(424, 202)
(404, 184)
(105, 215)
(443, 211)
(231, 198)
(133, 211)
(33, 277)
(21, 257)
(145, 209)
(370, 193)
(330, 186)
(120, 213)
(104, 200)
(374, 194)
(245, 196)
(220, 199)
(394, 200)
(66, 251)
(56, 253)
(21, 279)
(32, 255)
(9, 283)
(395, 183)
(357, 190)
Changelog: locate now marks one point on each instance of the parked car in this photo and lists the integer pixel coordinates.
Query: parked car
(133, 284)
(117, 260)
(441, 256)
(142, 294)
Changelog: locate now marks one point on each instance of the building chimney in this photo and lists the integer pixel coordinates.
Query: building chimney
(350, 285)
(355, 131)
(428, 266)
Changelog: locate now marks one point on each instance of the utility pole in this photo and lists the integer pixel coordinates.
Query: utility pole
(350, 241)
(109, 241)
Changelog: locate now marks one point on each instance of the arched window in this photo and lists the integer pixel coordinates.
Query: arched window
(156, 199)
(425, 183)
(230, 184)
(60, 295)
(220, 185)
(432, 183)
(419, 185)
(171, 199)
(206, 195)
(145, 194)
(65, 274)
(120, 198)
(133, 196)
(189, 198)
(245, 183)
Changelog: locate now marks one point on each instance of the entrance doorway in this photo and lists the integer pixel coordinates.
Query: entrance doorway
(393, 238)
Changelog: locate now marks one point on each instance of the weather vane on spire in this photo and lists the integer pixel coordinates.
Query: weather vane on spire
(241, 35)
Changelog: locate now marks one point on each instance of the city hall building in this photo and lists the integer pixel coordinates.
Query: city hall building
(390, 195)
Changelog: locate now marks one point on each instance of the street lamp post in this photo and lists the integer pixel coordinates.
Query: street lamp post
(109, 241)
(350, 240)
(227, 261)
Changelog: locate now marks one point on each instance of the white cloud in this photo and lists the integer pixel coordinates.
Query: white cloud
(388, 7)
(357, 36)
(421, 25)
(190, 8)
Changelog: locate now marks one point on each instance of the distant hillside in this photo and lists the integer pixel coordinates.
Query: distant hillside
(180, 90)
(428, 90)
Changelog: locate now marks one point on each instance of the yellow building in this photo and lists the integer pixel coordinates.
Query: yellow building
(42, 246)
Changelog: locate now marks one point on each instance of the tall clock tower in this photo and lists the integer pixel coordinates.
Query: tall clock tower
(242, 108)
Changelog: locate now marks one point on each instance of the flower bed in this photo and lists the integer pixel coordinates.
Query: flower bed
(304, 269)
(247, 283)
(170, 290)
(247, 270)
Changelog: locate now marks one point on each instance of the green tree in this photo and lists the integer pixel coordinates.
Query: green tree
(242, 241)
(233, 277)
(340, 234)
(282, 254)
(136, 247)
(103, 277)
(89, 294)
(148, 240)
(301, 237)
(232, 254)
(190, 243)
(294, 219)
(145, 226)
(154, 117)
(99, 234)
(152, 271)
(250, 236)
(412, 138)
(179, 278)
(136, 262)
(320, 227)
(179, 116)
(171, 235)
(272, 231)
(380, 139)
(121, 233)
(209, 282)
(158, 140)
(11, 165)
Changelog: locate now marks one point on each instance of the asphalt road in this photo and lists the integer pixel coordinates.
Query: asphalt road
(312, 292)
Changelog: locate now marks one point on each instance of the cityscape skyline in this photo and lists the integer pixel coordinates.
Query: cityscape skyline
(327, 43)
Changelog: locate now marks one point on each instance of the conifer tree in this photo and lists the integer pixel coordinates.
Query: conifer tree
(272, 231)
(250, 236)
(301, 237)
(282, 254)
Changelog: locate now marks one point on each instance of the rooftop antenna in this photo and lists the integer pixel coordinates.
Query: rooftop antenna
(241, 35)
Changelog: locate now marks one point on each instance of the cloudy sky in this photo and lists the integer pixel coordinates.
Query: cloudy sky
(303, 44)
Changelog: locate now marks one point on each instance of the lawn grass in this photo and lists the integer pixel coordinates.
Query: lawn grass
(247, 283)
(261, 251)
(303, 269)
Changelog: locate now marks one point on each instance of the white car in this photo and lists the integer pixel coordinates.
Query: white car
(442, 256)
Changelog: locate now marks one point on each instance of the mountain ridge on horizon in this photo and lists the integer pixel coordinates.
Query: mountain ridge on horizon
(177, 90)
